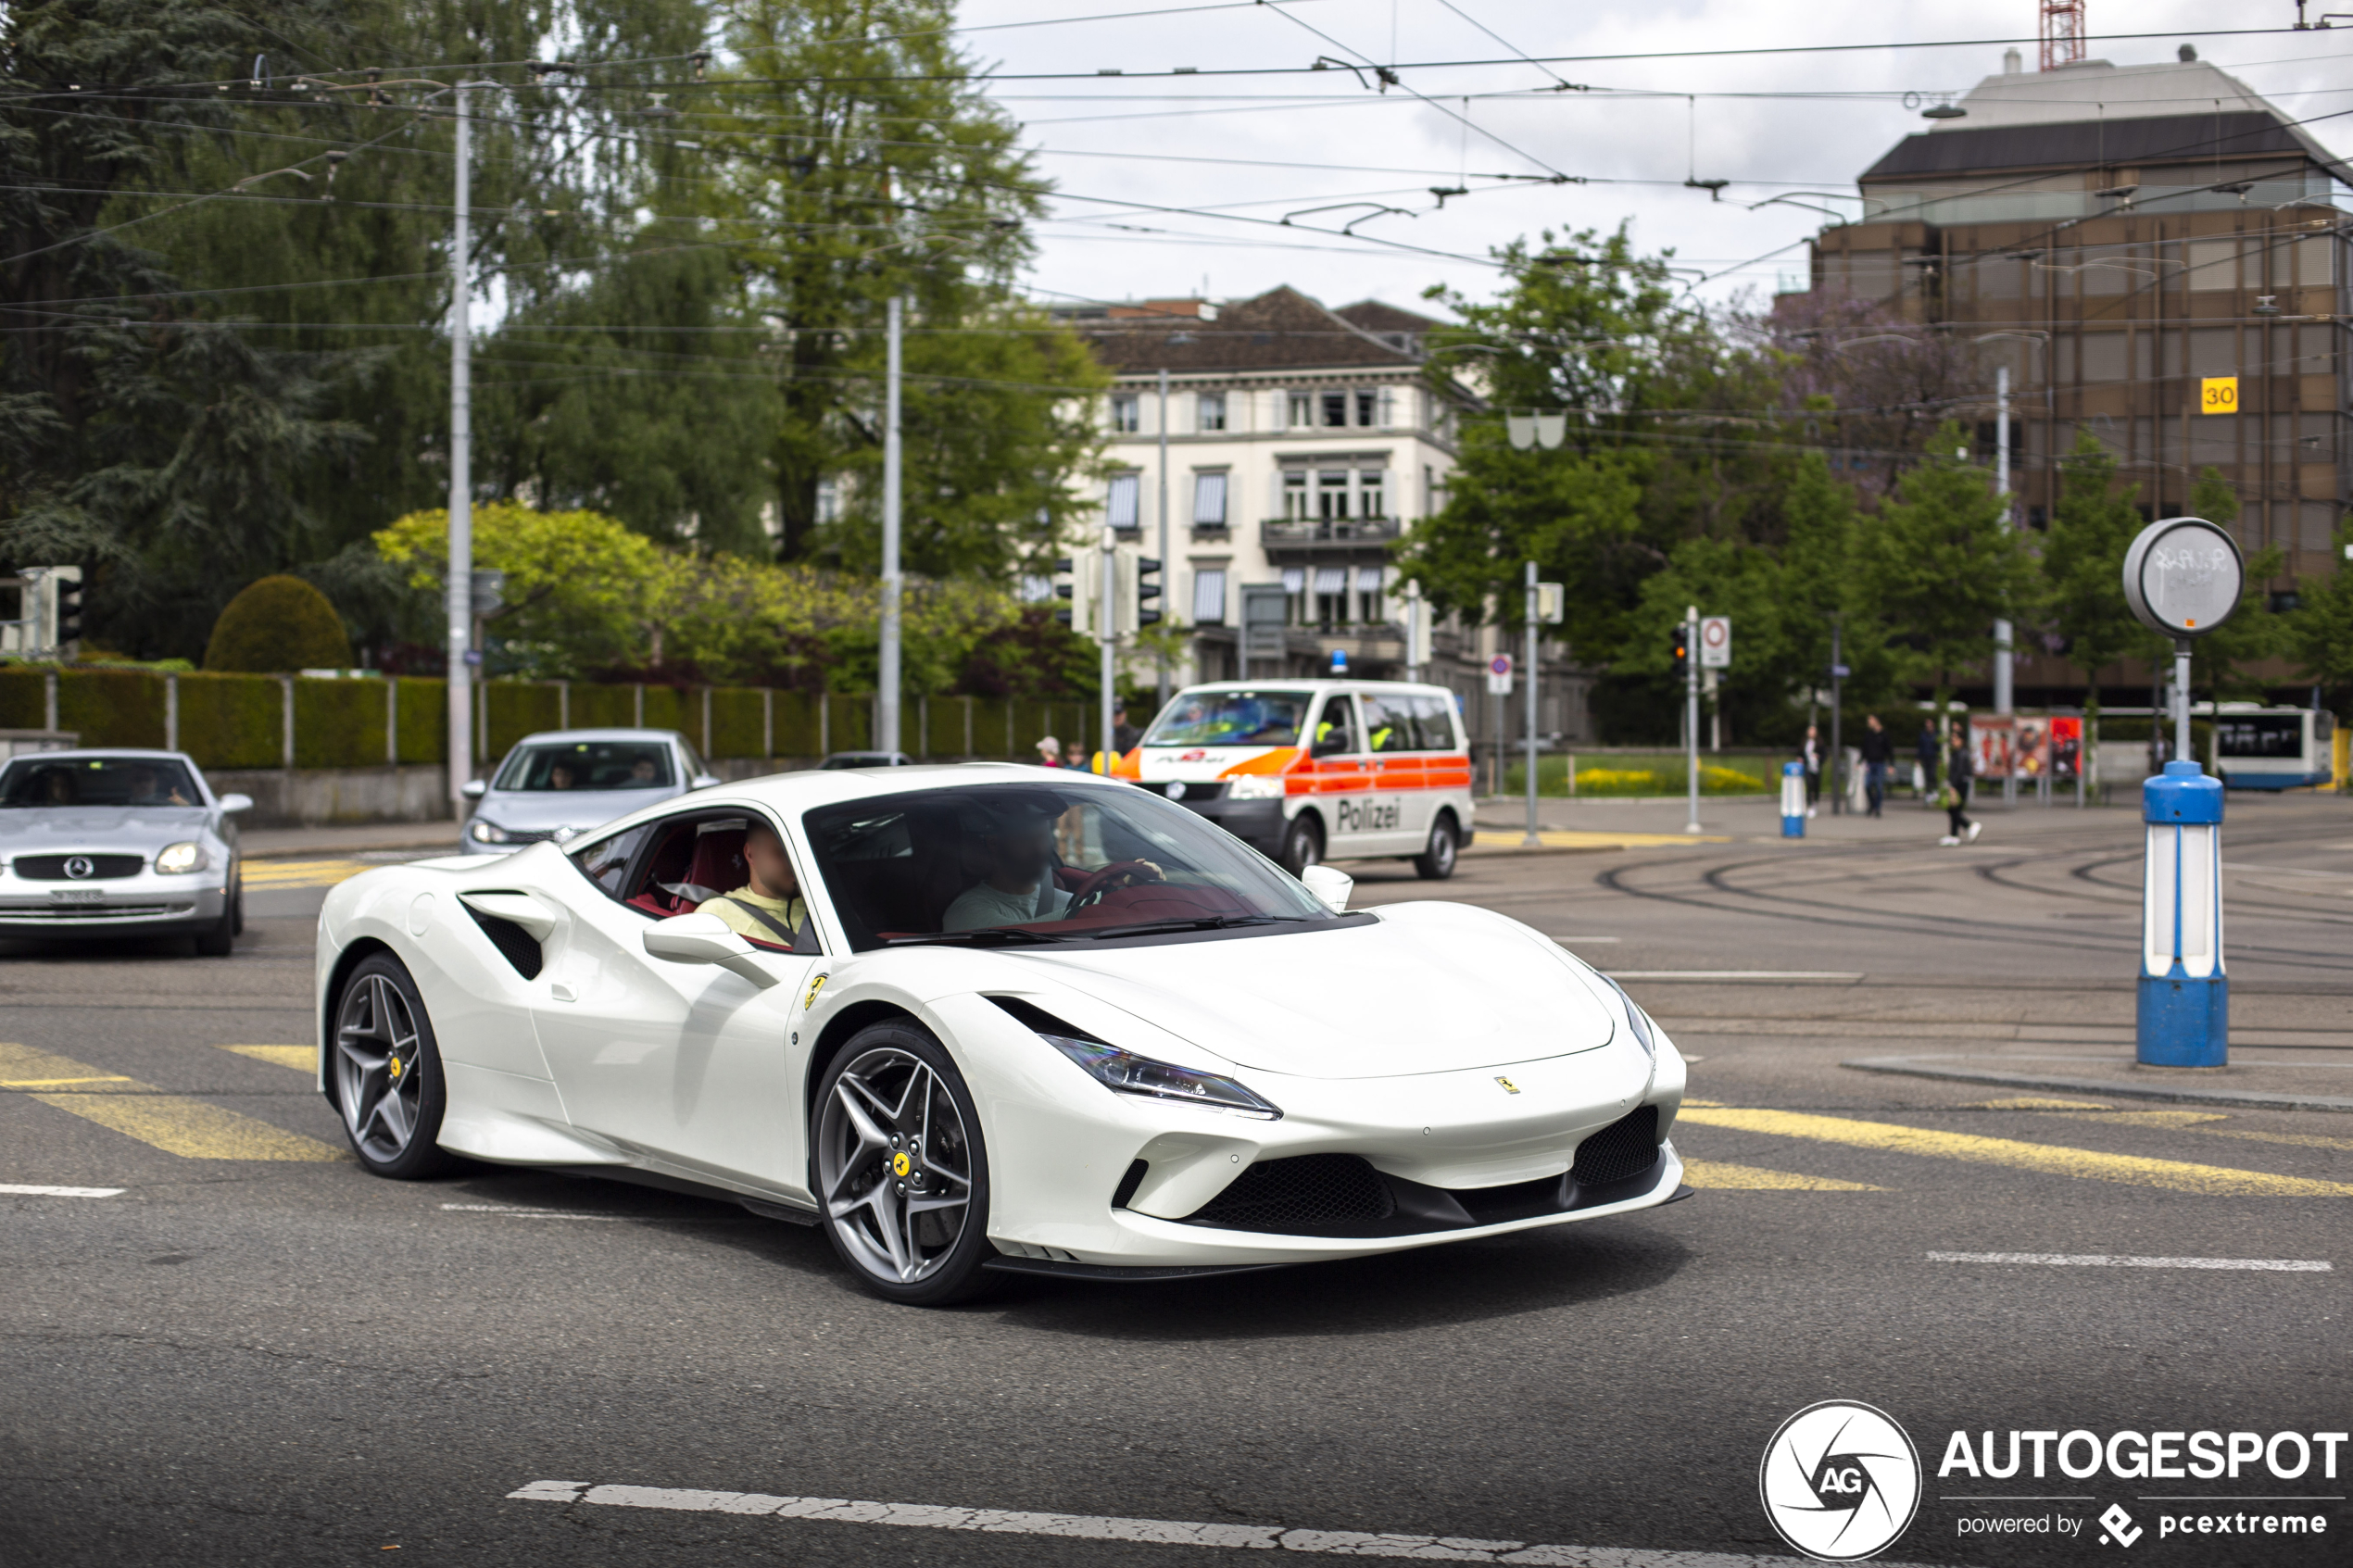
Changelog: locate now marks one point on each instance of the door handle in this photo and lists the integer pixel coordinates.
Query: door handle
(562, 991)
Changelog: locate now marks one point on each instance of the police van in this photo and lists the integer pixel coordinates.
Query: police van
(1316, 769)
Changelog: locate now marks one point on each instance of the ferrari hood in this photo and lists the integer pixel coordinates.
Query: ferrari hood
(1424, 989)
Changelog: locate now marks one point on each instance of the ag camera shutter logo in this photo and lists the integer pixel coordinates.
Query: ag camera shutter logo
(1839, 1481)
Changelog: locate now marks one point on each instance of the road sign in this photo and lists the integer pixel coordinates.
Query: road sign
(2183, 576)
(2218, 394)
(1714, 641)
(1552, 603)
(1499, 675)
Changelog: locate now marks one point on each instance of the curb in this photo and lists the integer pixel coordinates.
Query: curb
(2250, 1099)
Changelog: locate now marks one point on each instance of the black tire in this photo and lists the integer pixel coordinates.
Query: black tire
(384, 1074)
(1437, 863)
(237, 907)
(909, 1217)
(1303, 845)
(218, 939)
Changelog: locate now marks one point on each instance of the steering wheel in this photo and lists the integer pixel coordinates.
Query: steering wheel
(1099, 886)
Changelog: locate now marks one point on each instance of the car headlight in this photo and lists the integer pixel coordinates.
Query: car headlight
(1635, 1016)
(486, 833)
(178, 859)
(1255, 786)
(1128, 1073)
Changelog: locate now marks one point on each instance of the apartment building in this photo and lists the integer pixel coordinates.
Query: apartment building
(2124, 239)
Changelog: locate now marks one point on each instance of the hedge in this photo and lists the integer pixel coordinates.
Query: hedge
(230, 720)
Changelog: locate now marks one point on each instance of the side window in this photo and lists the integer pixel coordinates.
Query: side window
(1389, 723)
(1334, 730)
(1434, 719)
(606, 863)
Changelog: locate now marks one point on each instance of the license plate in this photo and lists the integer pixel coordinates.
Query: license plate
(75, 896)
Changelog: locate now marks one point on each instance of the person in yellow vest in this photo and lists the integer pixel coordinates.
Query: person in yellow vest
(769, 906)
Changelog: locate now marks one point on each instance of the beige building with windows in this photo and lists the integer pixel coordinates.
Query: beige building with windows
(2124, 239)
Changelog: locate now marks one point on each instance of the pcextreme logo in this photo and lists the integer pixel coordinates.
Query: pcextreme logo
(1839, 1481)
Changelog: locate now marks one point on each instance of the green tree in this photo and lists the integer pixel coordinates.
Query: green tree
(2081, 586)
(2320, 631)
(1942, 566)
(276, 625)
(1824, 582)
(2252, 632)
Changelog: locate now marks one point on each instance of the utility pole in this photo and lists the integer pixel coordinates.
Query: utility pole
(1413, 630)
(459, 588)
(1107, 628)
(2005, 635)
(1531, 840)
(1690, 712)
(1838, 756)
(887, 703)
(1167, 576)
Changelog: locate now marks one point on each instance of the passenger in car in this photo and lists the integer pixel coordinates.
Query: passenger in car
(769, 906)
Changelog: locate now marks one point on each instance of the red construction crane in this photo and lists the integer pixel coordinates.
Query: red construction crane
(2063, 32)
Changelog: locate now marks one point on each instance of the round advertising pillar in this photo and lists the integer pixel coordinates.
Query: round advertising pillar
(1792, 800)
(2184, 1011)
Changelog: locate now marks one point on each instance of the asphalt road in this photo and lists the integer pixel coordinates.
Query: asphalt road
(243, 1359)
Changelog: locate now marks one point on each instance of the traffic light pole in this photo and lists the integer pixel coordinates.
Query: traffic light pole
(459, 588)
(1531, 840)
(1107, 628)
(887, 679)
(1163, 693)
(1691, 713)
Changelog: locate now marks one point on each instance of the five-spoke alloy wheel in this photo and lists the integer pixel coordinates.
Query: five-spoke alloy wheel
(386, 1072)
(902, 1169)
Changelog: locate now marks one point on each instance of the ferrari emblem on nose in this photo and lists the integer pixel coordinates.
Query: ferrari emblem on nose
(1509, 1088)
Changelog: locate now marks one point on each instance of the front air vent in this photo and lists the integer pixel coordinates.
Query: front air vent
(1626, 1149)
(1303, 1194)
(514, 944)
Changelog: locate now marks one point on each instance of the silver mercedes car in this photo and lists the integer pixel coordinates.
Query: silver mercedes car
(558, 783)
(118, 843)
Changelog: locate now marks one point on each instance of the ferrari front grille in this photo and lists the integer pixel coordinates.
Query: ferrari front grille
(1307, 1192)
(1624, 1150)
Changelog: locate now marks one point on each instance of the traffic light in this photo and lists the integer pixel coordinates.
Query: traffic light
(1683, 649)
(68, 604)
(1146, 589)
(1063, 587)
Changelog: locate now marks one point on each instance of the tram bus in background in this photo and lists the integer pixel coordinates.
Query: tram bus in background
(2259, 747)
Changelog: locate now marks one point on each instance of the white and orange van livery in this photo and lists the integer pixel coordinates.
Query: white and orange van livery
(1313, 769)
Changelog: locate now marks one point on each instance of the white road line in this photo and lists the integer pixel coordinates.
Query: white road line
(2103, 1260)
(15, 1191)
(1157, 1531)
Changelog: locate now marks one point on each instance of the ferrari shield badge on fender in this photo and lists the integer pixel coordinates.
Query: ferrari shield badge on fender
(814, 986)
(1509, 1088)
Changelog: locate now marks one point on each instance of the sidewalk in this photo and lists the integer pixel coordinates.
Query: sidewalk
(2247, 1085)
(1501, 821)
(272, 844)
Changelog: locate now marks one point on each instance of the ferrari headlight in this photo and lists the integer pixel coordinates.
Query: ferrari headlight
(486, 833)
(178, 859)
(1635, 1016)
(1255, 786)
(1127, 1073)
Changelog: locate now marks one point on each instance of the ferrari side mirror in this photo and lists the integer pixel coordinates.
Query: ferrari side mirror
(1333, 887)
(701, 938)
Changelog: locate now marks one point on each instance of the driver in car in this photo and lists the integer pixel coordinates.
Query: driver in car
(769, 906)
(1016, 843)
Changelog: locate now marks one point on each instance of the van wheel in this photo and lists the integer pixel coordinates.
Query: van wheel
(1302, 845)
(1437, 863)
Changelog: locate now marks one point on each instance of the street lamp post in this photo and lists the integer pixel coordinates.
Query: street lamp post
(887, 679)
(458, 588)
(1163, 690)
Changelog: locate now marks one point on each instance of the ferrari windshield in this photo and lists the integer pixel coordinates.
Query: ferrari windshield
(1260, 718)
(588, 764)
(1021, 862)
(97, 781)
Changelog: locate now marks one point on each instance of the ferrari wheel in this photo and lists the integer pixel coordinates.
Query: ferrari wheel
(386, 1073)
(901, 1171)
(1437, 863)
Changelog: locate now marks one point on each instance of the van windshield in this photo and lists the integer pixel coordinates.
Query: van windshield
(1255, 718)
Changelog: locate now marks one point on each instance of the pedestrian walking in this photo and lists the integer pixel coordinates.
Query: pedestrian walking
(1959, 771)
(1049, 752)
(1878, 750)
(1926, 767)
(1124, 736)
(1811, 754)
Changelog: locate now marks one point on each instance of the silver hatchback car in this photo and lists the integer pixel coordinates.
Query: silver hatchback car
(119, 844)
(558, 783)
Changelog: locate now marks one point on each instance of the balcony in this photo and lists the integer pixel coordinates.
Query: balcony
(1309, 534)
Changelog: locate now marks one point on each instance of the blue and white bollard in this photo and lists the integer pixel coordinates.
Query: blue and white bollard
(2185, 1014)
(1792, 800)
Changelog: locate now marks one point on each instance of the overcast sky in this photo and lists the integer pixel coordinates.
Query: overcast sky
(1771, 124)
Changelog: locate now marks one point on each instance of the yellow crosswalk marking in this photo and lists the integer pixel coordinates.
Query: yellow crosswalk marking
(1712, 1176)
(302, 1059)
(2195, 1121)
(301, 873)
(2051, 1159)
(174, 1123)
